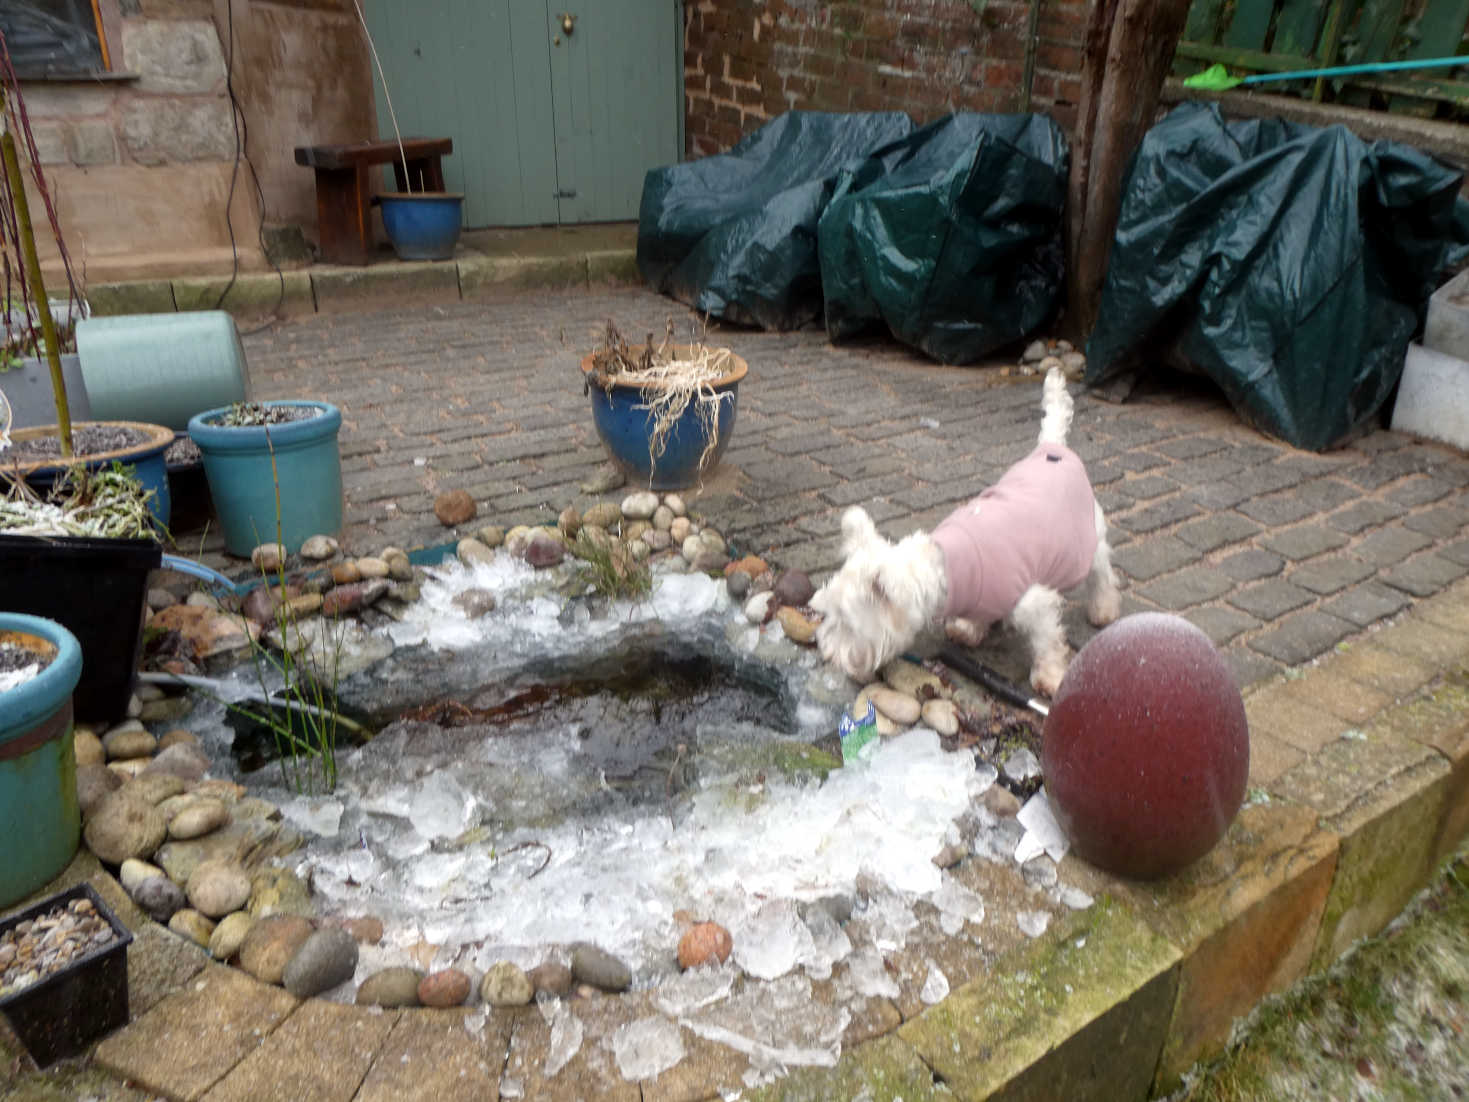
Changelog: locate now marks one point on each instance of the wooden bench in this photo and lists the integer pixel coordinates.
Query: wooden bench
(344, 188)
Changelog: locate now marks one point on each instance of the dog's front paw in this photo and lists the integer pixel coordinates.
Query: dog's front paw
(1104, 607)
(966, 633)
(1047, 673)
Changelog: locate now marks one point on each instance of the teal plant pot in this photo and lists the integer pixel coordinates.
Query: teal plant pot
(245, 464)
(39, 814)
(161, 368)
(147, 459)
(422, 225)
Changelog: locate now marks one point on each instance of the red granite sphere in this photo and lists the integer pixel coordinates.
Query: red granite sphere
(1146, 749)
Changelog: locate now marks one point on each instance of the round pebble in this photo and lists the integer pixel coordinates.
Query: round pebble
(454, 508)
(88, 748)
(506, 985)
(189, 923)
(159, 896)
(123, 826)
(601, 969)
(552, 977)
(316, 548)
(268, 557)
(942, 716)
(675, 504)
(229, 934)
(798, 628)
(270, 945)
(602, 515)
(640, 505)
(447, 988)
(324, 960)
(702, 943)
(128, 741)
(218, 887)
(390, 987)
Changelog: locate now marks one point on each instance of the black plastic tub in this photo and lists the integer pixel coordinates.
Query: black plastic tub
(63, 1013)
(95, 588)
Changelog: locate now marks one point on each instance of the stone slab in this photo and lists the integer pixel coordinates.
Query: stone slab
(443, 1054)
(402, 283)
(1244, 916)
(1384, 799)
(1079, 1014)
(591, 1073)
(481, 277)
(189, 1041)
(143, 296)
(320, 1053)
(883, 1070)
(1276, 710)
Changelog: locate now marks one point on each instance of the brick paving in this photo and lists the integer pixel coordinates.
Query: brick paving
(1280, 555)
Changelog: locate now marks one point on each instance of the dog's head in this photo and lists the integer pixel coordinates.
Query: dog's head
(884, 595)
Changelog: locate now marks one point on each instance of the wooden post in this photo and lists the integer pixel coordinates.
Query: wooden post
(1126, 55)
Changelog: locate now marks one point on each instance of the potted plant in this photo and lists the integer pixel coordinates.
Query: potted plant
(665, 412)
(81, 557)
(40, 665)
(274, 471)
(422, 225)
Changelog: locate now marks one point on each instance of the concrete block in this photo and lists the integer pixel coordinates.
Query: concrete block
(1447, 327)
(181, 55)
(92, 142)
(1433, 396)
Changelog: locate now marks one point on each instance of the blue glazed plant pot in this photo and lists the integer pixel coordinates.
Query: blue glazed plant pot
(39, 814)
(626, 427)
(423, 225)
(147, 459)
(245, 464)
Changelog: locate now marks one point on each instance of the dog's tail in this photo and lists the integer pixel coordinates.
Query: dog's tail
(1056, 402)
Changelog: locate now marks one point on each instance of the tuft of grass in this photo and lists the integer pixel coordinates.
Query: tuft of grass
(609, 569)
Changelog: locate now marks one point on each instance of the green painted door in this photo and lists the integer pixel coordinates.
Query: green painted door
(548, 126)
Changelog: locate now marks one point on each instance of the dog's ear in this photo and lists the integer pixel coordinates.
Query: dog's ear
(857, 529)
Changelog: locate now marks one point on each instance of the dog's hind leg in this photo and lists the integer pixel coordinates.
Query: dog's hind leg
(1037, 615)
(1103, 601)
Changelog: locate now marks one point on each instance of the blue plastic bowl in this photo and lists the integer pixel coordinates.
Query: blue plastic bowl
(625, 429)
(423, 225)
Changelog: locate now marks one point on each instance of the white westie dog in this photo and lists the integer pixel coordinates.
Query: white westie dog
(1006, 555)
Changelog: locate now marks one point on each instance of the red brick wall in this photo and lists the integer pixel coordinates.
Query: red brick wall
(746, 61)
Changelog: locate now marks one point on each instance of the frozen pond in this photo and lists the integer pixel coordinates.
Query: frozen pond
(516, 811)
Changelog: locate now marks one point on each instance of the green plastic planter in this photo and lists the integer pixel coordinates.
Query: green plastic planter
(39, 816)
(244, 465)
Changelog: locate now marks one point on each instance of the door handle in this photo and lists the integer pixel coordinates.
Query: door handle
(568, 23)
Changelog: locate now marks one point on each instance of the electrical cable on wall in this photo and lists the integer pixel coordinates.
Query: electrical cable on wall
(242, 137)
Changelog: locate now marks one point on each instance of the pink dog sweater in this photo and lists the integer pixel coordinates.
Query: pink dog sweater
(1035, 525)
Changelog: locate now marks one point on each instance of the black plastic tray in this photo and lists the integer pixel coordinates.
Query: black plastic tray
(62, 1014)
(95, 589)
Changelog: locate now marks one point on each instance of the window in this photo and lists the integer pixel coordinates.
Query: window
(53, 38)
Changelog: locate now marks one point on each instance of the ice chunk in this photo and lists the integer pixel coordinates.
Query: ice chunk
(957, 905)
(566, 1035)
(319, 816)
(441, 808)
(680, 597)
(1071, 896)
(646, 1048)
(772, 941)
(868, 974)
(1033, 923)
(829, 942)
(1021, 765)
(693, 990)
(1038, 820)
(935, 986)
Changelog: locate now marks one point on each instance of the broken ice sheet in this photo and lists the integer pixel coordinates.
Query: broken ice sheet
(646, 1048)
(957, 905)
(1043, 834)
(772, 941)
(693, 990)
(776, 1025)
